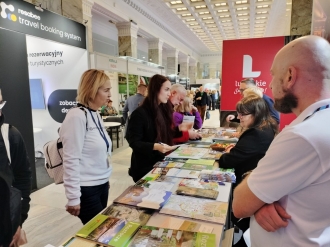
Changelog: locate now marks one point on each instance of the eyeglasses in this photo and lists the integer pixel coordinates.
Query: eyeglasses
(2, 104)
(242, 114)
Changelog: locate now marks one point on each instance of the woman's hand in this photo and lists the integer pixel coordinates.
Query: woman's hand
(74, 210)
(194, 108)
(163, 148)
(229, 147)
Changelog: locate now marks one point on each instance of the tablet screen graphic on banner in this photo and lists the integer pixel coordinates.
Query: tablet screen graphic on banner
(37, 94)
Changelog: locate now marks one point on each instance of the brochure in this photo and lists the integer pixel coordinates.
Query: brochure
(154, 236)
(181, 173)
(143, 197)
(196, 208)
(196, 192)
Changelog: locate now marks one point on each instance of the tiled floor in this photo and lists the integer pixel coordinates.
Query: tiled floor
(49, 223)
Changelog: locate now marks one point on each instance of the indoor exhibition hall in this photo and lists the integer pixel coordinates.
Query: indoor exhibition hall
(164, 123)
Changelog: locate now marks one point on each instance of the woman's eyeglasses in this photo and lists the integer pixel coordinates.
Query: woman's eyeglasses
(242, 114)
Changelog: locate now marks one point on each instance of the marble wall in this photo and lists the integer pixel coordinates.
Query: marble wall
(51, 5)
(127, 46)
(172, 65)
(192, 74)
(155, 55)
(301, 17)
(184, 69)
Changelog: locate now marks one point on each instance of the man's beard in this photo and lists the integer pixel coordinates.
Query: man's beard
(287, 103)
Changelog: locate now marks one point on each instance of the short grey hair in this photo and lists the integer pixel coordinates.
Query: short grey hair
(178, 88)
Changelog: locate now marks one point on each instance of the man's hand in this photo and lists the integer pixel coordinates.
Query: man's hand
(193, 135)
(74, 210)
(230, 117)
(272, 217)
(229, 147)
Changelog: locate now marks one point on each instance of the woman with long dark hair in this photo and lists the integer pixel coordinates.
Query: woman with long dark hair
(150, 132)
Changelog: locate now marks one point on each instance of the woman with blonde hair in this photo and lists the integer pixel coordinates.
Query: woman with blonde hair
(86, 147)
(186, 108)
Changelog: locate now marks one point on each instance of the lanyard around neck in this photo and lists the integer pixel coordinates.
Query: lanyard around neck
(318, 109)
(99, 128)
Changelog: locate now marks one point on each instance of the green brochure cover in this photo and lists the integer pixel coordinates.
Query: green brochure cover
(92, 225)
(124, 236)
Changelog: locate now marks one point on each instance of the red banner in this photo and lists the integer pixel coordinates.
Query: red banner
(246, 58)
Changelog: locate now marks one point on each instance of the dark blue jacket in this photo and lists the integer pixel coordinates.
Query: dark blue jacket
(273, 113)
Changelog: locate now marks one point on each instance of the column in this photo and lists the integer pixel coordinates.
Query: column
(192, 72)
(301, 17)
(155, 51)
(127, 39)
(184, 66)
(87, 16)
(172, 62)
(73, 9)
(212, 70)
(199, 70)
(51, 5)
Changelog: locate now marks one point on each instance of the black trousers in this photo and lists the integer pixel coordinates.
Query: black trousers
(92, 201)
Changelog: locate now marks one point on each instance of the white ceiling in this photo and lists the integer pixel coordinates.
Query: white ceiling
(204, 24)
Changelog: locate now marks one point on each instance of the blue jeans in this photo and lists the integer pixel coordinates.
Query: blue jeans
(92, 201)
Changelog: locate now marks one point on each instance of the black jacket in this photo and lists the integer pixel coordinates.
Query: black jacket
(250, 148)
(18, 174)
(142, 136)
(203, 101)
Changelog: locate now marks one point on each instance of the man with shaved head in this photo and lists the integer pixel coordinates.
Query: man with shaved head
(287, 195)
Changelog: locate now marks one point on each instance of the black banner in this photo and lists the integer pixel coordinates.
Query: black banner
(23, 17)
(14, 84)
(60, 102)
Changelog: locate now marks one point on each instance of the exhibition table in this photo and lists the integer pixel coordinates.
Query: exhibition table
(112, 125)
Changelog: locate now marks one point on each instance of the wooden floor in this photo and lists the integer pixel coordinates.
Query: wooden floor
(49, 223)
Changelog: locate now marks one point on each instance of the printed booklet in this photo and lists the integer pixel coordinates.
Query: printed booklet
(108, 230)
(150, 236)
(129, 213)
(196, 208)
(144, 197)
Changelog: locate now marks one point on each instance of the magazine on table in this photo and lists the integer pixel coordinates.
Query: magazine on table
(143, 197)
(149, 236)
(109, 230)
(181, 173)
(196, 192)
(129, 213)
(196, 208)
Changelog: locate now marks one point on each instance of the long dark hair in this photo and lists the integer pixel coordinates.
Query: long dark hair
(253, 104)
(162, 113)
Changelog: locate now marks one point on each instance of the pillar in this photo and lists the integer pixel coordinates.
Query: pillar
(199, 71)
(127, 39)
(172, 61)
(212, 70)
(301, 17)
(192, 72)
(155, 51)
(87, 16)
(184, 66)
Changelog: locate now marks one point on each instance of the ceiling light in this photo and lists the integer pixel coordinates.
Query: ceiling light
(175, 2)
(262, 17)
(241, 2)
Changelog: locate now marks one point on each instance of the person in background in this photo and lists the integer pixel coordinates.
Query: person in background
(286, 195)
(201, 99)
(250, 82)
(259, 131)
(86, 148)
(108, 109)
(149, 132)
(213, 96)
(187, 109)
(183, 132)
(209, 98)
(15, 170)
(134, 101)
